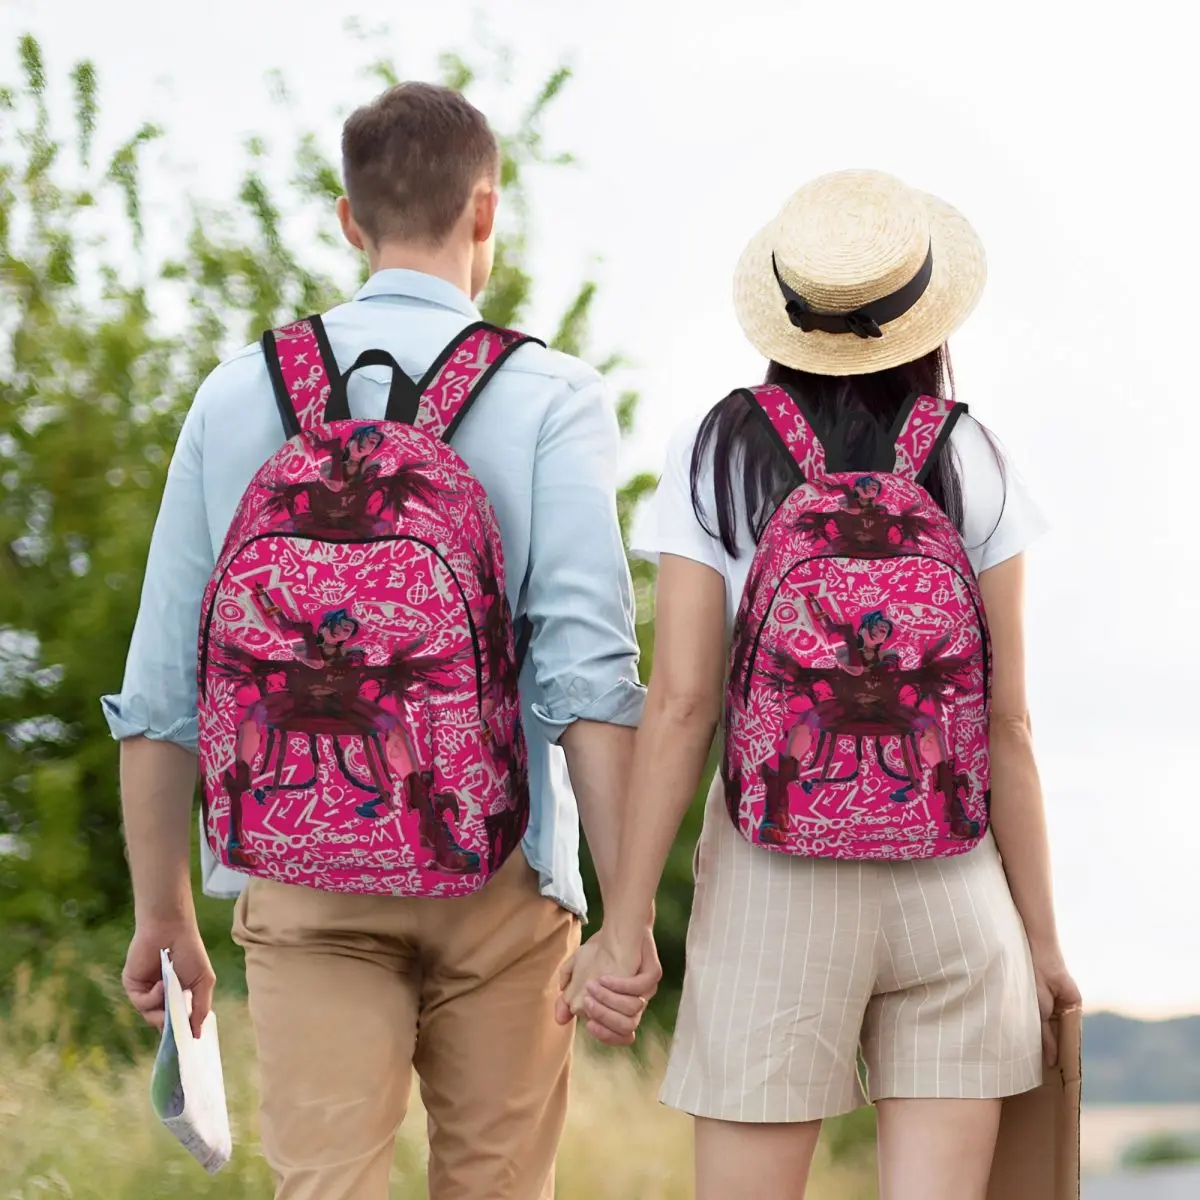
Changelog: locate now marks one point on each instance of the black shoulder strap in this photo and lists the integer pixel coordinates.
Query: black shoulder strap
(404, 398)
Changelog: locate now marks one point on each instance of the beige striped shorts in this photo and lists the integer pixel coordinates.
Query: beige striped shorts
(796, 967)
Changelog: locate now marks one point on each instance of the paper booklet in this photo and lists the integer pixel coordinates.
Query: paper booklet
(187, 1087)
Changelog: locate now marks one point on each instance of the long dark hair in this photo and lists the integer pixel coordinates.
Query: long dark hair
(859, 410)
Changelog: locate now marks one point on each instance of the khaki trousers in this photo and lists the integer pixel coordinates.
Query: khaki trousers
(349, 993)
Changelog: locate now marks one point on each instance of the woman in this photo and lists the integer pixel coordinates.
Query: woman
(935, 969)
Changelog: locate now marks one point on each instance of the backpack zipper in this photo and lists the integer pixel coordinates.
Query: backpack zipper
(258, 537)
(854, 558)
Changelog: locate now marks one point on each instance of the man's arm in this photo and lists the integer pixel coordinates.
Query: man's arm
(598, 758)
(579, 598)
(157, 782)
(155, 719)
(681, 716)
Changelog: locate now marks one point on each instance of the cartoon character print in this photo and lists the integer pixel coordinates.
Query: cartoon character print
(731, 777)
(504, 828)
(741, 638)
(326, 688)
(352, 496)
(493, 621)
(860, 631)
(377, 665)
(501, 703)
(868, 695)
(863, 526)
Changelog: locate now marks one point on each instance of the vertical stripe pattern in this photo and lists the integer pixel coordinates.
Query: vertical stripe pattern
(794, 964)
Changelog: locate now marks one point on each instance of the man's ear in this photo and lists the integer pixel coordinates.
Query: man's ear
(350, 229)
(487, 198)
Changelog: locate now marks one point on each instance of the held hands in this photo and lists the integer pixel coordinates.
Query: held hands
(609, 988)
(142, 977)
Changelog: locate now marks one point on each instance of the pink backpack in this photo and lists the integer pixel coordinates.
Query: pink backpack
(858, 694)
(360, 725)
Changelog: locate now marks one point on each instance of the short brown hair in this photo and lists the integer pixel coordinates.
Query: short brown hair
(410, 159)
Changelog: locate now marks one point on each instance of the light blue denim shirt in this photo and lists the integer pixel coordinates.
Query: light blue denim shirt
(543, 441)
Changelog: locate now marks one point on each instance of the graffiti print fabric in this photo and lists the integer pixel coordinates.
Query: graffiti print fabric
(359, 717)
(857, 704)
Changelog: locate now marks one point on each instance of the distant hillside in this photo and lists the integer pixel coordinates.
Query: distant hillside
(1140, 1062)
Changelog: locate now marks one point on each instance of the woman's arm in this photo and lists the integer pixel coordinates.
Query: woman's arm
(1018, 814)
(683, 706)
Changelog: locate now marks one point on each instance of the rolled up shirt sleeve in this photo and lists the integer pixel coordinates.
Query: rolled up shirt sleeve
(158, 696)
(579, 595)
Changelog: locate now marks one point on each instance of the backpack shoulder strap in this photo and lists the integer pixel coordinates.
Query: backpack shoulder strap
(304, 375)
(791, 426)
(460, 373)
(922, 428)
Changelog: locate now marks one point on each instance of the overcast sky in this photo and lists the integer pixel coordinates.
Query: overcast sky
(1064, 134)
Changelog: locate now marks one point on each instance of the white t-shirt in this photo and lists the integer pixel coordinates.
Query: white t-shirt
(1000, 518)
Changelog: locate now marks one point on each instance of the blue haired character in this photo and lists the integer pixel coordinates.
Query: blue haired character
(328, 690)
(355, 495)
(857, 649)
(867, 696)
(874, 630)
(346, 459)
(334, 631)
(316, 646)
(864, 494)
(862, 527)
(858, 497)
(360, 446)
(382, 498)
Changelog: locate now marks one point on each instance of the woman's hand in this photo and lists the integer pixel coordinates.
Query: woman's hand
(1056, 992)
(609, 987)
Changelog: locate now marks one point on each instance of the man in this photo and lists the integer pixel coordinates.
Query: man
(349, 993)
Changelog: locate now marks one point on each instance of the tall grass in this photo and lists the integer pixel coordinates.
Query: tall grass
(74, 1123)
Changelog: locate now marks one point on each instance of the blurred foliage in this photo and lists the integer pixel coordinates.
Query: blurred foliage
(851, 1138)
(1162, 1149)
(74, 1123)
(94, 381)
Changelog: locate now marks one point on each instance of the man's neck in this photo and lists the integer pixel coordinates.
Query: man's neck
(451, 263)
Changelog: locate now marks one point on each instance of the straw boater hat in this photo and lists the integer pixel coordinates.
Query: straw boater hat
(857, 273)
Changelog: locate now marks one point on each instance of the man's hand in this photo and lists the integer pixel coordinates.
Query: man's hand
(607, 990)
(142, 977)
(157, 780)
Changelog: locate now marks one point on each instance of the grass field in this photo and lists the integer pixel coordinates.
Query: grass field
(72, 1124)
